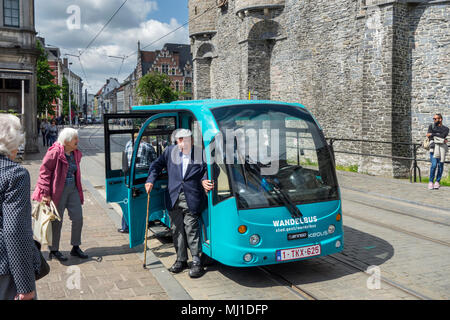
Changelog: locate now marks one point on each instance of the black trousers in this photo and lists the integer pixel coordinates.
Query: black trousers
(185, 229)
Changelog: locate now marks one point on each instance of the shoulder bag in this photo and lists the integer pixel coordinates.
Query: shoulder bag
(43, 215)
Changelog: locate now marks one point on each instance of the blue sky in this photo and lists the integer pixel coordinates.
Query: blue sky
(168, 9)
(72, 24)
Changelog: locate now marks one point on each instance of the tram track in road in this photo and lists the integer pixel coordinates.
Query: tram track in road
(398, 211)
(397, 229)
(308, 295)
(394, 227)
(383, 279)
(295, 289)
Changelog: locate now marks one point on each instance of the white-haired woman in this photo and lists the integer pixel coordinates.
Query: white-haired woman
(60, 181)
(19, 257)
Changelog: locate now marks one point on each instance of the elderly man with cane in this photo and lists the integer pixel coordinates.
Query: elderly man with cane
(187, 187)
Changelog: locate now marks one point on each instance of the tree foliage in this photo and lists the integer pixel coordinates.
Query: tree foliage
(47, 91)
(155, 88)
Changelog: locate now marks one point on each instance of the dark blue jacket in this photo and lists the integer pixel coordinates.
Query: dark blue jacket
(191, 183)
(19, 256)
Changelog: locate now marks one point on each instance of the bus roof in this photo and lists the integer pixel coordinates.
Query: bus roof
(201, 107)
(208, 104)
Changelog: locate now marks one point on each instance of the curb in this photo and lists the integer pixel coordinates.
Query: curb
(172, 287)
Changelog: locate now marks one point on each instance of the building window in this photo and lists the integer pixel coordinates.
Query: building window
(188, 87)
(11, 13)
(177, 86)
(165, 68)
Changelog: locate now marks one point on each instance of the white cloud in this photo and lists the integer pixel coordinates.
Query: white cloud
(120, 37)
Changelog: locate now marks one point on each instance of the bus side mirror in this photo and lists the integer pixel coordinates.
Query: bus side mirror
(125, 166)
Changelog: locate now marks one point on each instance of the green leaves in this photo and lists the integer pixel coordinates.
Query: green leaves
(47, 91)
(155, 88)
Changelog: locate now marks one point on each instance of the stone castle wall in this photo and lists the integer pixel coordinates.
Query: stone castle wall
(367, 69)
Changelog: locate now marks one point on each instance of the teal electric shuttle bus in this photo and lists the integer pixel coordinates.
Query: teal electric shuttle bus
(276, 197)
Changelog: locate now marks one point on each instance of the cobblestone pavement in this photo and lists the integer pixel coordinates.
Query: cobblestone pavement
(402, 189)
(113, 270)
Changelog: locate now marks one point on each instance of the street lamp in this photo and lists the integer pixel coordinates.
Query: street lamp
(70, 105)
(70, 102)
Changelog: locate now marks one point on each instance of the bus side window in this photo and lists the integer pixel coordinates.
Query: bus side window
(219, 173)
(155, 139)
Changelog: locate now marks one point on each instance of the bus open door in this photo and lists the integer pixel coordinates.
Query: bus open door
(126, 171)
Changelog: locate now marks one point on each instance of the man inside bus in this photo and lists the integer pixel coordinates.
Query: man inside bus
(188, 184)
(145, 155)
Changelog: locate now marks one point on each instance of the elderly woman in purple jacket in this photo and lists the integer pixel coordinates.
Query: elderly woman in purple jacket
(19, 257)
(60, 181)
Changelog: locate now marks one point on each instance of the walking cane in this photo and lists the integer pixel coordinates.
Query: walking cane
(146, 230)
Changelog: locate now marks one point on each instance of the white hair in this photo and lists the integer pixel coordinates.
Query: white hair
(11, 135)
(67, 135)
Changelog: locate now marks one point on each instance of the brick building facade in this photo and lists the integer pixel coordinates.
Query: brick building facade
(173, 59)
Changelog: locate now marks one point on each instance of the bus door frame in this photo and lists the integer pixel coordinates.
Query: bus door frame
(135, 212)
(115, 178)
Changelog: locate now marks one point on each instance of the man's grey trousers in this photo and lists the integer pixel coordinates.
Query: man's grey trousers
(185, 229)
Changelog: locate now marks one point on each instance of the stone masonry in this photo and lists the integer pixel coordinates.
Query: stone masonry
(367, 69)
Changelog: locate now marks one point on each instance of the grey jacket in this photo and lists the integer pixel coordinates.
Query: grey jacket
(18, 253)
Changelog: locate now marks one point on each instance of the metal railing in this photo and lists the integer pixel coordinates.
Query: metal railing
(414, 169)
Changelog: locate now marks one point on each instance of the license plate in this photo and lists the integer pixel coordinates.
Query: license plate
(298, 253)
(295, 236)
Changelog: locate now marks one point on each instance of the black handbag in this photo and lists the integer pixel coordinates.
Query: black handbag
(45, 268)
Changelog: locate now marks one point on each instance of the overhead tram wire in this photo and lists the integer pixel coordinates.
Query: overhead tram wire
(173, 31)
(82, 69)
(106, 24)
(135, 52)
(121, 65)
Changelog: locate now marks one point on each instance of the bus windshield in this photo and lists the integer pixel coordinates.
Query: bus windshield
(275, 155)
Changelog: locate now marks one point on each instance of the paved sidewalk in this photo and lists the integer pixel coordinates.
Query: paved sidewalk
(113, 270)
(396, 189)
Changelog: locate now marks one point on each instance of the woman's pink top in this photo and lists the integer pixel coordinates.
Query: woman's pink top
(53, 172)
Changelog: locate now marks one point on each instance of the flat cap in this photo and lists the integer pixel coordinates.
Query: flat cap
(181, 133)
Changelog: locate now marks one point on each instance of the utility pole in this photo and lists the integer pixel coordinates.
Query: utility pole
(70, 105)
(70, 102)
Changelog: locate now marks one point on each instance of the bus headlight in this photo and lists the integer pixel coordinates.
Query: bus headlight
(331, 229)
(248, 257)
(254, 239)
(338, 244)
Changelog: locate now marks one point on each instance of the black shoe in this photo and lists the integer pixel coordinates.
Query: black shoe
(196, 270)
(123, 230)
(58, 255)
(178, 266)
(76, 251)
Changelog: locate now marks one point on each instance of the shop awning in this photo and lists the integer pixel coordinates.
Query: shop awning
(15, 74)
